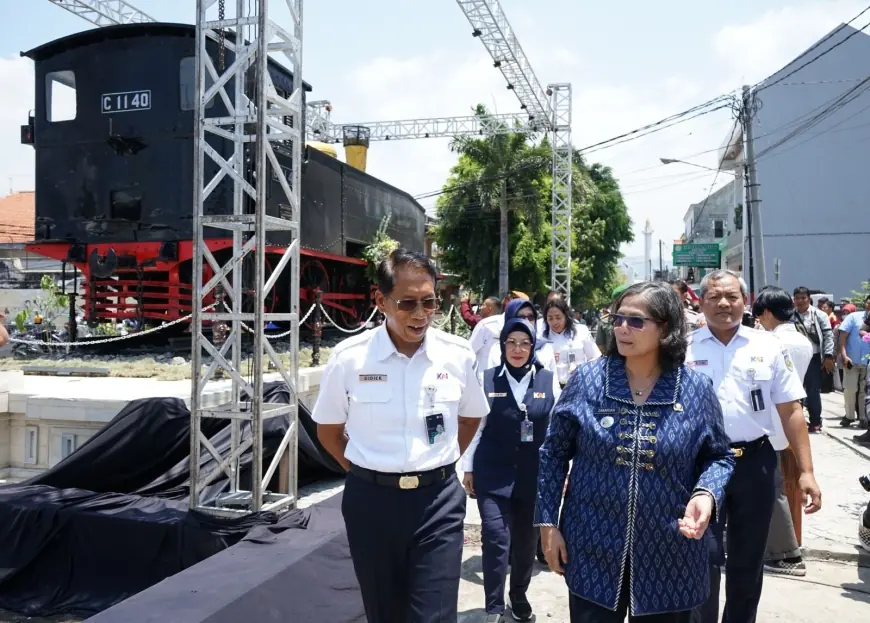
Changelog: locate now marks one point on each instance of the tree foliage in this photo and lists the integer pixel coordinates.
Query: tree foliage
(468, 218)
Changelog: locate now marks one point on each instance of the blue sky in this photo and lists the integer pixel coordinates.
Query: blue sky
(631, 62)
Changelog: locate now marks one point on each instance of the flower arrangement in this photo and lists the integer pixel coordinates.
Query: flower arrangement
(379, 249)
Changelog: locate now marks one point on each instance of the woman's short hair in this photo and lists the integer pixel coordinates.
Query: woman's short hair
(776, 301)
(562, 306)
(663, 305)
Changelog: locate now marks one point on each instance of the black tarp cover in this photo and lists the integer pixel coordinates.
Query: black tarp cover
(112, 519)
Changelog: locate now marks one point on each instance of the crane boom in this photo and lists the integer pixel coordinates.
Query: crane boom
(105, 12)
(490, 24)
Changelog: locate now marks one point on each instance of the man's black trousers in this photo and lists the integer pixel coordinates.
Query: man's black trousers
(406, 547)
(745, 521)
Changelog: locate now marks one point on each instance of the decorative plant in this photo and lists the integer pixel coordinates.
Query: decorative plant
(379, 249)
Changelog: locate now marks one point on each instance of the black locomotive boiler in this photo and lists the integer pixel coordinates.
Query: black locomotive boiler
(113, 131)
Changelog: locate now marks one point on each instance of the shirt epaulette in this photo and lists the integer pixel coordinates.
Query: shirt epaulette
(360, 339)
(454, 340)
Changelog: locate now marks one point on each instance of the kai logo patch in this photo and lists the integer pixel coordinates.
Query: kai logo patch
(372, 378)
(756, 359)
(442, 376)
(539, 395)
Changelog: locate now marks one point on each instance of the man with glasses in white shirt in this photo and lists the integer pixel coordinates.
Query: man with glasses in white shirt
(408, 398)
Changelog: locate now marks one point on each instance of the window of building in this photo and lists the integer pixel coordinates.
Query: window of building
(718, 228)
(69, 443)
(187, 83)
(31, 445)
(60, 96)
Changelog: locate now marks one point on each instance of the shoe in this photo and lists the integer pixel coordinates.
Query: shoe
(792, 566)
(521, 609)
(862, 424)
(863, 438)
(815, 428)
(846, 422)
(493, 618)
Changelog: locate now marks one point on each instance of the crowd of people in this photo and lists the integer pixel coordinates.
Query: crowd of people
(629, 458)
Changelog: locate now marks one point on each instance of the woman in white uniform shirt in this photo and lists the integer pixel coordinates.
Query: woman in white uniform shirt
(572, 343)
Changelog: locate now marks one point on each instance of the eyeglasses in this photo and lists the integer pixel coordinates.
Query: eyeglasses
(514, 345)
(410, 305)
(528, 316)
(635, 323)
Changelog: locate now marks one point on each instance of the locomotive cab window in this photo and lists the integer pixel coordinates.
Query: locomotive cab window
(60, 96)
(187, 83)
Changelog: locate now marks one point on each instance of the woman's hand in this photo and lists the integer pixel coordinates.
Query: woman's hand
(554, 548)
(468, 482)
(697, 516)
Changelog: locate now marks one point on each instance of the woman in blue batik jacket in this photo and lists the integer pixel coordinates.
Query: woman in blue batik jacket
(650, 465)
(501, 466)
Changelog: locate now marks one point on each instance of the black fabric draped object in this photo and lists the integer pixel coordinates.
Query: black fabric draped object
(111, 519)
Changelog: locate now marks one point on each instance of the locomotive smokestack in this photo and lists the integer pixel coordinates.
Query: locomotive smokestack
(356, 145)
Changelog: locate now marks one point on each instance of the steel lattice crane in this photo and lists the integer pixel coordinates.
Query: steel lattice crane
(545, 110)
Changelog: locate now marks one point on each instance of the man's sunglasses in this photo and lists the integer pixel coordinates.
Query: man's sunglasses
(410, 305)
(632, 322)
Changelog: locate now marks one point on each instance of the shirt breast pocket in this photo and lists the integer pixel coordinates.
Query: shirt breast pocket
(368, 403)
(751, 377)
(447, 397)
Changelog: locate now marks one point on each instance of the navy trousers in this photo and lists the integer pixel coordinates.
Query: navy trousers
(406, 547)
(813, 388)
(507, 536)
(744, 522)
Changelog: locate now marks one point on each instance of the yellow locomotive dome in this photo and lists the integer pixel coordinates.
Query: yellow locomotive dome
(326, 148)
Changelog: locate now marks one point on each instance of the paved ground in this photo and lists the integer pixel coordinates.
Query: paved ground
(837, 586)
(831, 591)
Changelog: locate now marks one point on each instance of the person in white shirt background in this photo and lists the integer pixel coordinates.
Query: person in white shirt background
(774, 312)
(571, 342)
(501, 467)
(398, 405)
(487, 347)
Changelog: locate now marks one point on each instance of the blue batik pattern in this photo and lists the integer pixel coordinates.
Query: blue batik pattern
(634, 470)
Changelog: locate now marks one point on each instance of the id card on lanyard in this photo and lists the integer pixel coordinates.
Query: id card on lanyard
(527, 428)
(756, 396)
(434, 419)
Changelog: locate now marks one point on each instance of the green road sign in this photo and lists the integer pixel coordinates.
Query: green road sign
(699, 255)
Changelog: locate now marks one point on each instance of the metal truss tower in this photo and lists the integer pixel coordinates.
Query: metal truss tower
(105, 12)
(563, 176)
(255, 122)
(552, 107)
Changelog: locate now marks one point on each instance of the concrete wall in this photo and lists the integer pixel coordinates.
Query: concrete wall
(814, 187)
(53, 407)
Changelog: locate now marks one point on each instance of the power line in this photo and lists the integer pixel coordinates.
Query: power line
(816, 45)
(662, 124)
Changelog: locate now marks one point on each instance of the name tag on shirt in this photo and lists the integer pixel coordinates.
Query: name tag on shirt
(373, 378)
(497, 395)
(697, 362)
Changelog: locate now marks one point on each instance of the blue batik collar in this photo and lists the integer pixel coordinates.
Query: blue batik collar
(665, 392)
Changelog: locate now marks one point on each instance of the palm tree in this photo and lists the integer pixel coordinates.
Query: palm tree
(509, 177)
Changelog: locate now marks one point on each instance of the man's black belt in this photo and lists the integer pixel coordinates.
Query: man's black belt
(411, 480)
(743, 447)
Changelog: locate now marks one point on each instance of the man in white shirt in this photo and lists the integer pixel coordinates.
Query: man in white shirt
(410, 403)
(755, 382)
(774, 311)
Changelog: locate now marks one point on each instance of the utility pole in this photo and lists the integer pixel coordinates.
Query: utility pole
(754, 231)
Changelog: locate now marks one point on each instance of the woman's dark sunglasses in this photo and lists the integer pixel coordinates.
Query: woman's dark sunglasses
(632, 322)
(410, 305)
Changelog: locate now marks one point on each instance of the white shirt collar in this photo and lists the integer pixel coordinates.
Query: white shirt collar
(505, 371)
(704, 333)
(384, 347)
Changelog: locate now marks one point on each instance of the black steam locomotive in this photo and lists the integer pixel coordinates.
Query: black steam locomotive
(113, 130)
